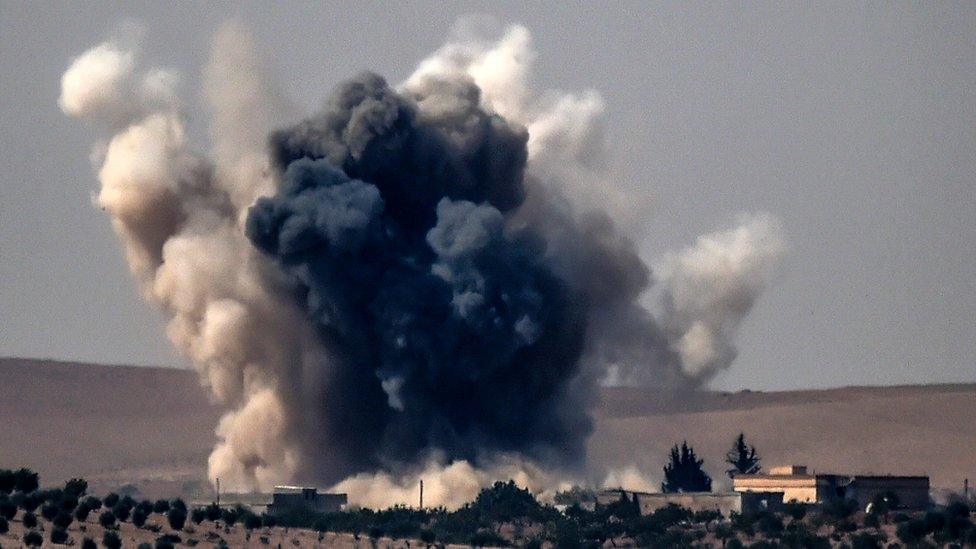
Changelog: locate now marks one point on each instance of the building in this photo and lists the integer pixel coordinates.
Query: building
(286, 499)
(724, 503)
(797, 484)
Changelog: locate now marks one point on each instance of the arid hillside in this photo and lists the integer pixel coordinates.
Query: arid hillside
(153, 427)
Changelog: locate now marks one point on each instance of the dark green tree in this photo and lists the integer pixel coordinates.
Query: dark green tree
(7, 481)
(75, 488)
(4, 526)
(684, 472)
(33, 539)
(742, 458)
(107, 519)
(25, 480)
(111, 540)
(88, 543)
(29, 519)
(59, 535)
(176, 517)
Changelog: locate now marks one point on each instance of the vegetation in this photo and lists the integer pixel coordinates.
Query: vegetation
(684, 472)
(33, 539)
(742, 458)
(111, 540)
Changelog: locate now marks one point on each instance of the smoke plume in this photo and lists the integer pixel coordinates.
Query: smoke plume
(424, 279)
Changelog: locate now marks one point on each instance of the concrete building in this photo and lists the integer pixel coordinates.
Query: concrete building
(724, 503)
(797, 484)
(286, 499)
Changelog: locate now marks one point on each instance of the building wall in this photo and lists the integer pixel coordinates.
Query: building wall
(801, 488)
(913, 492)
(695, 501)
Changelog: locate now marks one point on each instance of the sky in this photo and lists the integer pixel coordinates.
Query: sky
(853, 123)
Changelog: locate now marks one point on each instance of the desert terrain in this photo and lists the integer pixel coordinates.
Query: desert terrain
(152, 428)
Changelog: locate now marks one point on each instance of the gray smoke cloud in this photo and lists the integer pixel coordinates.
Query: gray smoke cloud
(420, 277)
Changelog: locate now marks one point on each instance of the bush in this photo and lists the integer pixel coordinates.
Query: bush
(797, 511)
(30, 502)
(7, 481)
(29, 520)
(427, 536)
(911, 532)
(25, 480)
(59, 535)
(107, 519)
(252, 521)
(163, 543)
(88, 543)
(121, 511)
(178, 504)
(111, 540)
(81, 512)
(269, 521)
(139, 518)
(75, 488)
(92, 503)
(49, 511)
(63, 520)
(176, 517)
(144, 545)
(110, 500)
(161, 506)
(198, 515)
(229, 516)
(4, 526)
(8, 510)
(33, 539)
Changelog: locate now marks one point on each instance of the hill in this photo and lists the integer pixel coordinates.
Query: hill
(153, 427)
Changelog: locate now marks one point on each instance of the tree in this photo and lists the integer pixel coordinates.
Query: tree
(176, 517)
(684, 472)
(139, 517)
(29, 519)
(796, 510)
(251, 521)
(75, 488)
(121, 511)
(49, 511)
(7, 509)
(63, 520)
(88, 543)
(110, 500)
(161, 506)
(25, 480)
(742, 458)
(33, 539)
(107, 519)
(111, 540)
(58, 535)
(7, 481)
(81, 512)
(4, 526)
(198, 515)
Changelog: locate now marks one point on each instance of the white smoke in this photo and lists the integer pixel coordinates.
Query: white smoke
(448, 485)
(709, 288)
(179, 215)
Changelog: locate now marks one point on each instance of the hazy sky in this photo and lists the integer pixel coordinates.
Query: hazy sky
(855, 124)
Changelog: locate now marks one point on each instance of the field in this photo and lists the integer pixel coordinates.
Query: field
(152, 428)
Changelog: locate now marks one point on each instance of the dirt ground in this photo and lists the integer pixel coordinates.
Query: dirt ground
(149, 430)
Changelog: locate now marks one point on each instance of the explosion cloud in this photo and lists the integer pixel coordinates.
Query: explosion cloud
(414, 278)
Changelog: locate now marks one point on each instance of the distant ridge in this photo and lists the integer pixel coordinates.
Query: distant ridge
(153, 427)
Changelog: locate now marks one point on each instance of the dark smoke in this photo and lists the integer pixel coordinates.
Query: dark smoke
(392, 221)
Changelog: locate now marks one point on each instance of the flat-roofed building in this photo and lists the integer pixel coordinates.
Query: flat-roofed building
(798, 485)
(286, 499)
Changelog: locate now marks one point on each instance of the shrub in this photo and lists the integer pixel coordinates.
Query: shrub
(4, 526)
(63, 520)
(29, 520)
(145, 506)
(229, 516)
(110, 500)
(92, 503)
(7, 481)
(797, 511)
(269, 521)
(178, 504)
(30, 502)
(111, 540)
(213, 512)
(911, 532)
(121, 511)
(867, 540)
(33, 539)
(81, 512)
(88, 543)
(8, 510)
(176, 517)
(107, 519)
(49, 511)
(427, 536)
(75, 488)
(25, 480)
(144, 545)
(163, 543)
(198, 515)
(59, 535)
(770, 525)
(252, 521)
(139, 518)
(161, 506)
